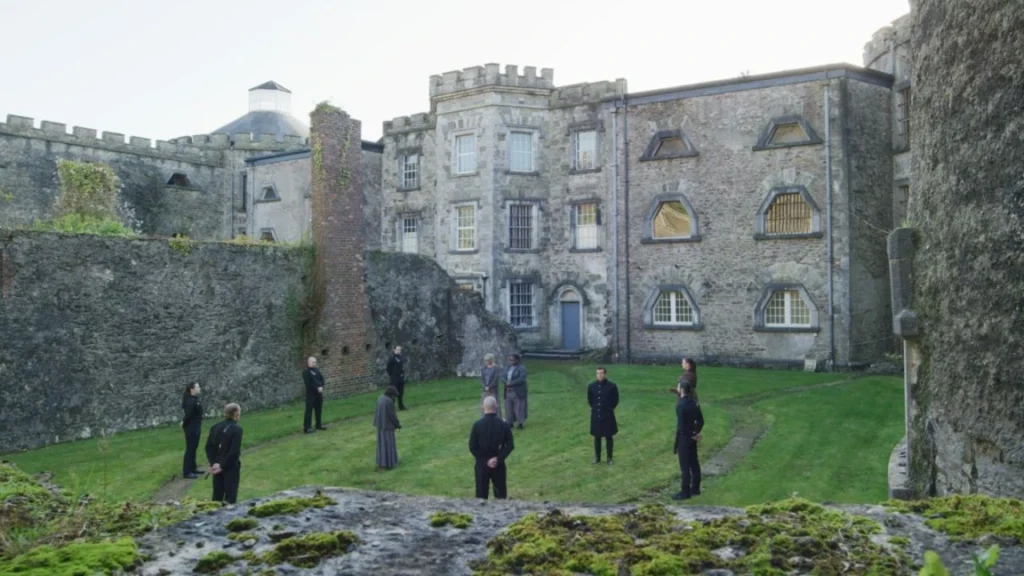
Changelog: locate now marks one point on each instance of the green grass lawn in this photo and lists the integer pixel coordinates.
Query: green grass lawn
(827, 443)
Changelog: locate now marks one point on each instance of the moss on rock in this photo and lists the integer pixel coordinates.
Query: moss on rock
(213, 562)
(290, 506)
(75, 559)
(968, 517)
(242, 524)
(243, 536)
(791, 536)
(308, 550)
(455, 519)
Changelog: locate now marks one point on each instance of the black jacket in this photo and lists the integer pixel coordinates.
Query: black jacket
(224, 444)
(313, 379)
(491, 436)
(603, 398)
(689, 419)
(193, 411)
(396, 369)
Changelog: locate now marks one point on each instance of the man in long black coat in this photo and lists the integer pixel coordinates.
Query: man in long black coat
(603, 396)
(396, 374)
(490, 443)
(223, 450)
(314, 382)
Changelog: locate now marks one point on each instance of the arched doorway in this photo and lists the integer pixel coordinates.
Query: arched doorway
(570, 304)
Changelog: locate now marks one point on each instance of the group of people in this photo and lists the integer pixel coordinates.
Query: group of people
(490, 440)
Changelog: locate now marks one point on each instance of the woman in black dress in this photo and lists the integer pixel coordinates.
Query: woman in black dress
(193, 426)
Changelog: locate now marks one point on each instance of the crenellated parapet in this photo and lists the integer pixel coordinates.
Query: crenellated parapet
(588, 92)
(256, 142)
(895, 34)
(414, 123)
(491, 75)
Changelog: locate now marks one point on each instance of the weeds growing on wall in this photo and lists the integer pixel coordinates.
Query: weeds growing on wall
(79, 224)
(88, 202)
(305, 304)
(182, 244)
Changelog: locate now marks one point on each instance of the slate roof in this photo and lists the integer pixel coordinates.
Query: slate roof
(265, 122)
(270, 85)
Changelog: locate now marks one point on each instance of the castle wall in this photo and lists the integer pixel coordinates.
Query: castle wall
(287, 212)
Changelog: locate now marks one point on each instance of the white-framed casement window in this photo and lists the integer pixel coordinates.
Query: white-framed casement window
(586, 149)
(785, 308)
(672, 309)
(464, 227)
(521, 303)
(522, 226)
(465, 154)
(409, 171)
(584, 226)
(409, 238)
(520, 150)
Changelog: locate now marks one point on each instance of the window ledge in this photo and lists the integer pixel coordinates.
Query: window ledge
(760, 236)
(526, 328)
(465, 175)
(695, 238)
(473, 251)
(573, 171)
(585, 250)
(522, 250)
(788, 329)
(670, 156)
(522, 173)
(261, 201)
(410, 189)
(789, 145)
(674, 327)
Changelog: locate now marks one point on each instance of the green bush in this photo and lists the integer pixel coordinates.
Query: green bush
(79, 224)
(88, 189)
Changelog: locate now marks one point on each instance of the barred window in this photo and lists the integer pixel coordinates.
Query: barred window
(521, 152)
(586, 226)
(520, 304)
(586, 150)
(786, 308)
(410, 169)
(672, 307)
(465, 154)
(410, 226)
(520, 226)
(672, 220)
(465, 227)
(788, 213)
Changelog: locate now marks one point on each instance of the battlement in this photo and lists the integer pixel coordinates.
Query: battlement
(587, 92)
(490, 75)
(421, 121)
(896, 33)
(261, 142)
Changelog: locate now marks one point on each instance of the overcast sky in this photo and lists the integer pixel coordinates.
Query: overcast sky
(168, 69)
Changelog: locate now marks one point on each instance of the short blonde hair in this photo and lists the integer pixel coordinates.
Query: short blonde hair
(232, 410)
(488, 357)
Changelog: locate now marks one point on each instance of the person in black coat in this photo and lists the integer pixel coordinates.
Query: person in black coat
(314, 381)
(223, 450)
(396, 374)
(689, 423)
(603, 397)
(490, 442)
(192, 424)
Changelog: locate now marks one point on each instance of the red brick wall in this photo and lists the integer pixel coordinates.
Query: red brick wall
(345, 329)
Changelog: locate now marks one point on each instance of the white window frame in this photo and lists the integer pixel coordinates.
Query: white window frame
(273, 235)
(520, 159)
(788, 295)
(674, 309)
(578, 151)
(403, 234)
(456, 227)
(534, 225)
(405, 181)
(464, 152)
(593, 227)
(532, 284)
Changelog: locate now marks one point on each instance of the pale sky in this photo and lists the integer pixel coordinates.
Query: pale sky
(168, 69)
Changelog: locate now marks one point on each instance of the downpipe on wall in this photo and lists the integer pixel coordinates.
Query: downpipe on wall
(828, 222)
(625, 171)
(615, 229)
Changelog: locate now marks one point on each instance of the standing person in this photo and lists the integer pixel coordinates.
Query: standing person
(192, 424)
(603, 397)
(223, 450)
(385, 420)
(396, 373)
(314, 381)
(489, 379)
(689, 423)
(689, 374)
(490, 442)
(515, 392)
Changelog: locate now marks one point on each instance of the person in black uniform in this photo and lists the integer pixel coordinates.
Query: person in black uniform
(314, 381)
(192, 424)
(689, 423)
(490, 442)
(396, 374)
(603, 397)
(223, 449)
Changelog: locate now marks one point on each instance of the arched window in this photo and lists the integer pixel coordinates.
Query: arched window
(671, 307)
(788, 212)
(786, 308)
(670, 218)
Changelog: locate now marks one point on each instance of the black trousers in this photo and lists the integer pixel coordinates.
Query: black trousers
(314, 402)
(485, 476)
(689, 465)
(225, 485)
(610, 442)
(192, 434)
(400, 386)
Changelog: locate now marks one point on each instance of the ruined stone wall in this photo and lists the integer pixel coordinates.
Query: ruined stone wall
(967, 432)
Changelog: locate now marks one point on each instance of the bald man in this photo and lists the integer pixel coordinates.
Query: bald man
(490, 442)
(314, 395)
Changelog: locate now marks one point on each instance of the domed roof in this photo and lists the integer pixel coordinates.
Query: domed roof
(265, 122)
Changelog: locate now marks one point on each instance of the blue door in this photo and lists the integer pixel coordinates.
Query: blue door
(570, 325)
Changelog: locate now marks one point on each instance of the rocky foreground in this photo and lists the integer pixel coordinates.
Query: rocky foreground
(340, 531)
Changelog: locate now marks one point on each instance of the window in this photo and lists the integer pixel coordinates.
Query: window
(465, 227)
(903, 115)
(789, 133)
(669, 144)
(465, 154)
(409, 167)
(788, 214)
(585, 229)
(520, 304)
(672, 308)
(267, 235)
(902, 204)
(410, 235)
(268, 194)
(520, 226)
(465, 286)
(179, 179)
(672, 220)
(586, 150)
(245, 191)
(520, 147)
(787, 308)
